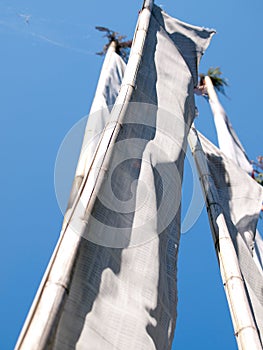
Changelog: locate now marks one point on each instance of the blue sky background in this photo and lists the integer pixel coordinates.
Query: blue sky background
(48, 76)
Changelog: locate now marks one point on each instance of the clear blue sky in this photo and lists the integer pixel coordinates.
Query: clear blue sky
(48, 76)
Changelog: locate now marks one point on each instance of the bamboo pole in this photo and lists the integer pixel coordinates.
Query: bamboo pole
(43, 318)
(245, 330)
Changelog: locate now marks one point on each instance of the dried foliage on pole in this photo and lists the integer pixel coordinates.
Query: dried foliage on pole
(122, 47)
(218, 81)
(258, 170)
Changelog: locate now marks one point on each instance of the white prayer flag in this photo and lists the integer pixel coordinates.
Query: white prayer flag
(106, 93)
(112, 283)
(230, 144)
(240, 198)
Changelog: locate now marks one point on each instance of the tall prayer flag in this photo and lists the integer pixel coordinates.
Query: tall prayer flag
(112, 281)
